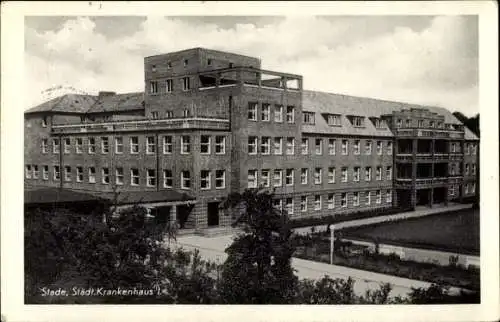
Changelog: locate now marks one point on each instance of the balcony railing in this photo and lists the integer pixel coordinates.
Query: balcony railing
(163, 124)
(430, 133)
(421, 182)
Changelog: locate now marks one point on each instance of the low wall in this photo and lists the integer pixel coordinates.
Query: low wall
(422, 255)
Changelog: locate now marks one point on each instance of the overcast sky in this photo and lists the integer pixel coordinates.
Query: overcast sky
(418, 59)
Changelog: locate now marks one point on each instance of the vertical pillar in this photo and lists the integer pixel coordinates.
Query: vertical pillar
(217, 79)
(414, 174)
(283, 82)
(173, 215)
(431, 197)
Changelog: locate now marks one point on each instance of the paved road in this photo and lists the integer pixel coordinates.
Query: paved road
(212, 248)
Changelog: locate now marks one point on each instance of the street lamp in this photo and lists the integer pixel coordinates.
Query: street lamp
(332, 241)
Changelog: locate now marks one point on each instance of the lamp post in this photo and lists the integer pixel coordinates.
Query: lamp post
(332, 241)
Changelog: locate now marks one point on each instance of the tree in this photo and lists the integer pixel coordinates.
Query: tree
(471, 123)
(258, 268)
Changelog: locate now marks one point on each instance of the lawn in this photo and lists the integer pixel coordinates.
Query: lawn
(456, 232)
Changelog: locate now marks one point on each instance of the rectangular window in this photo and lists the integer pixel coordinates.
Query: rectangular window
(278, 177)
(453, 147)
(389, 148)
(79, 145)
(67, 145)
(467, 169)
(79, 174)
(119, 176)
(220, 179)
(266, 112)
(379, 147)
(134, 145)
(355, 198)
(343, 199)
(331, 201)
(331, 175)
(368, 147)
(278, 113)
(167, 145)
(317, 202)
(91, 175)
(399, 123)
(186, 86)
(185, 144)
(332, 145)
(290, 114)
(304, 146)
(345, 147)
(45, 172)
(154, 115)
(308, 118)
(318, 146)
(205, 144)
(27, 171)
(134, 177)
(205, 179)
(473, 169)
(44, 121)
(317, 175)
(57, 173)
(473, 188)
(252, 178)
(408, 123)
(252, 145)
(169, 114)
(168, 179)
(150, 145)
(379, 173)
(304, 173)
(278, 204)
(278, 146)
(35, 172)
(378, 197)
(220, 145)
(67, 173)
(334, 120)
(185, 180)
(92, 147)
(368, 174)
(388, 173)
(467, 188)
(169, 86)
(379, 123)
(252, 111)
(344, 174)
(368, 198)
(357, 147)
(290, 146)
(265, 179)
(388, 196)
(265, 145)
(356, 174)
(150, 177)
(303, 203)
(105, 175)
(358, 121)
(45, 145)
(118, 145)
(289, 205)
(289, 174)
(153, 87)
(104, 144)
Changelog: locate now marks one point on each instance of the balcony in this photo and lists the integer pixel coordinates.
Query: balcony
(146, 125)
(428, 182)
(429, 133)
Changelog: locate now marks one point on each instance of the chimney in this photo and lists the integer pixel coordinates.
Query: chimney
(105, 94)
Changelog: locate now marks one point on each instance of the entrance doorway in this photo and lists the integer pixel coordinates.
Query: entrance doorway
(213, 214)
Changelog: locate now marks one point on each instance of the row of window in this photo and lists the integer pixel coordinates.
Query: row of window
(336, 120)
(134, 148)
(265, 146)
(265, 113)
(346, 199)
(33, 172)
(169, 85)
(470, 188)
(277, 176)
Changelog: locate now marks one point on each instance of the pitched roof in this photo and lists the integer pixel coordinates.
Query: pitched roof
(345, 105)
(56, 195)
(132, 197)
(68, 103)
(118, 103)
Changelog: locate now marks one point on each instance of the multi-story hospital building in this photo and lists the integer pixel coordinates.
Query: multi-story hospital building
(210, 123)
